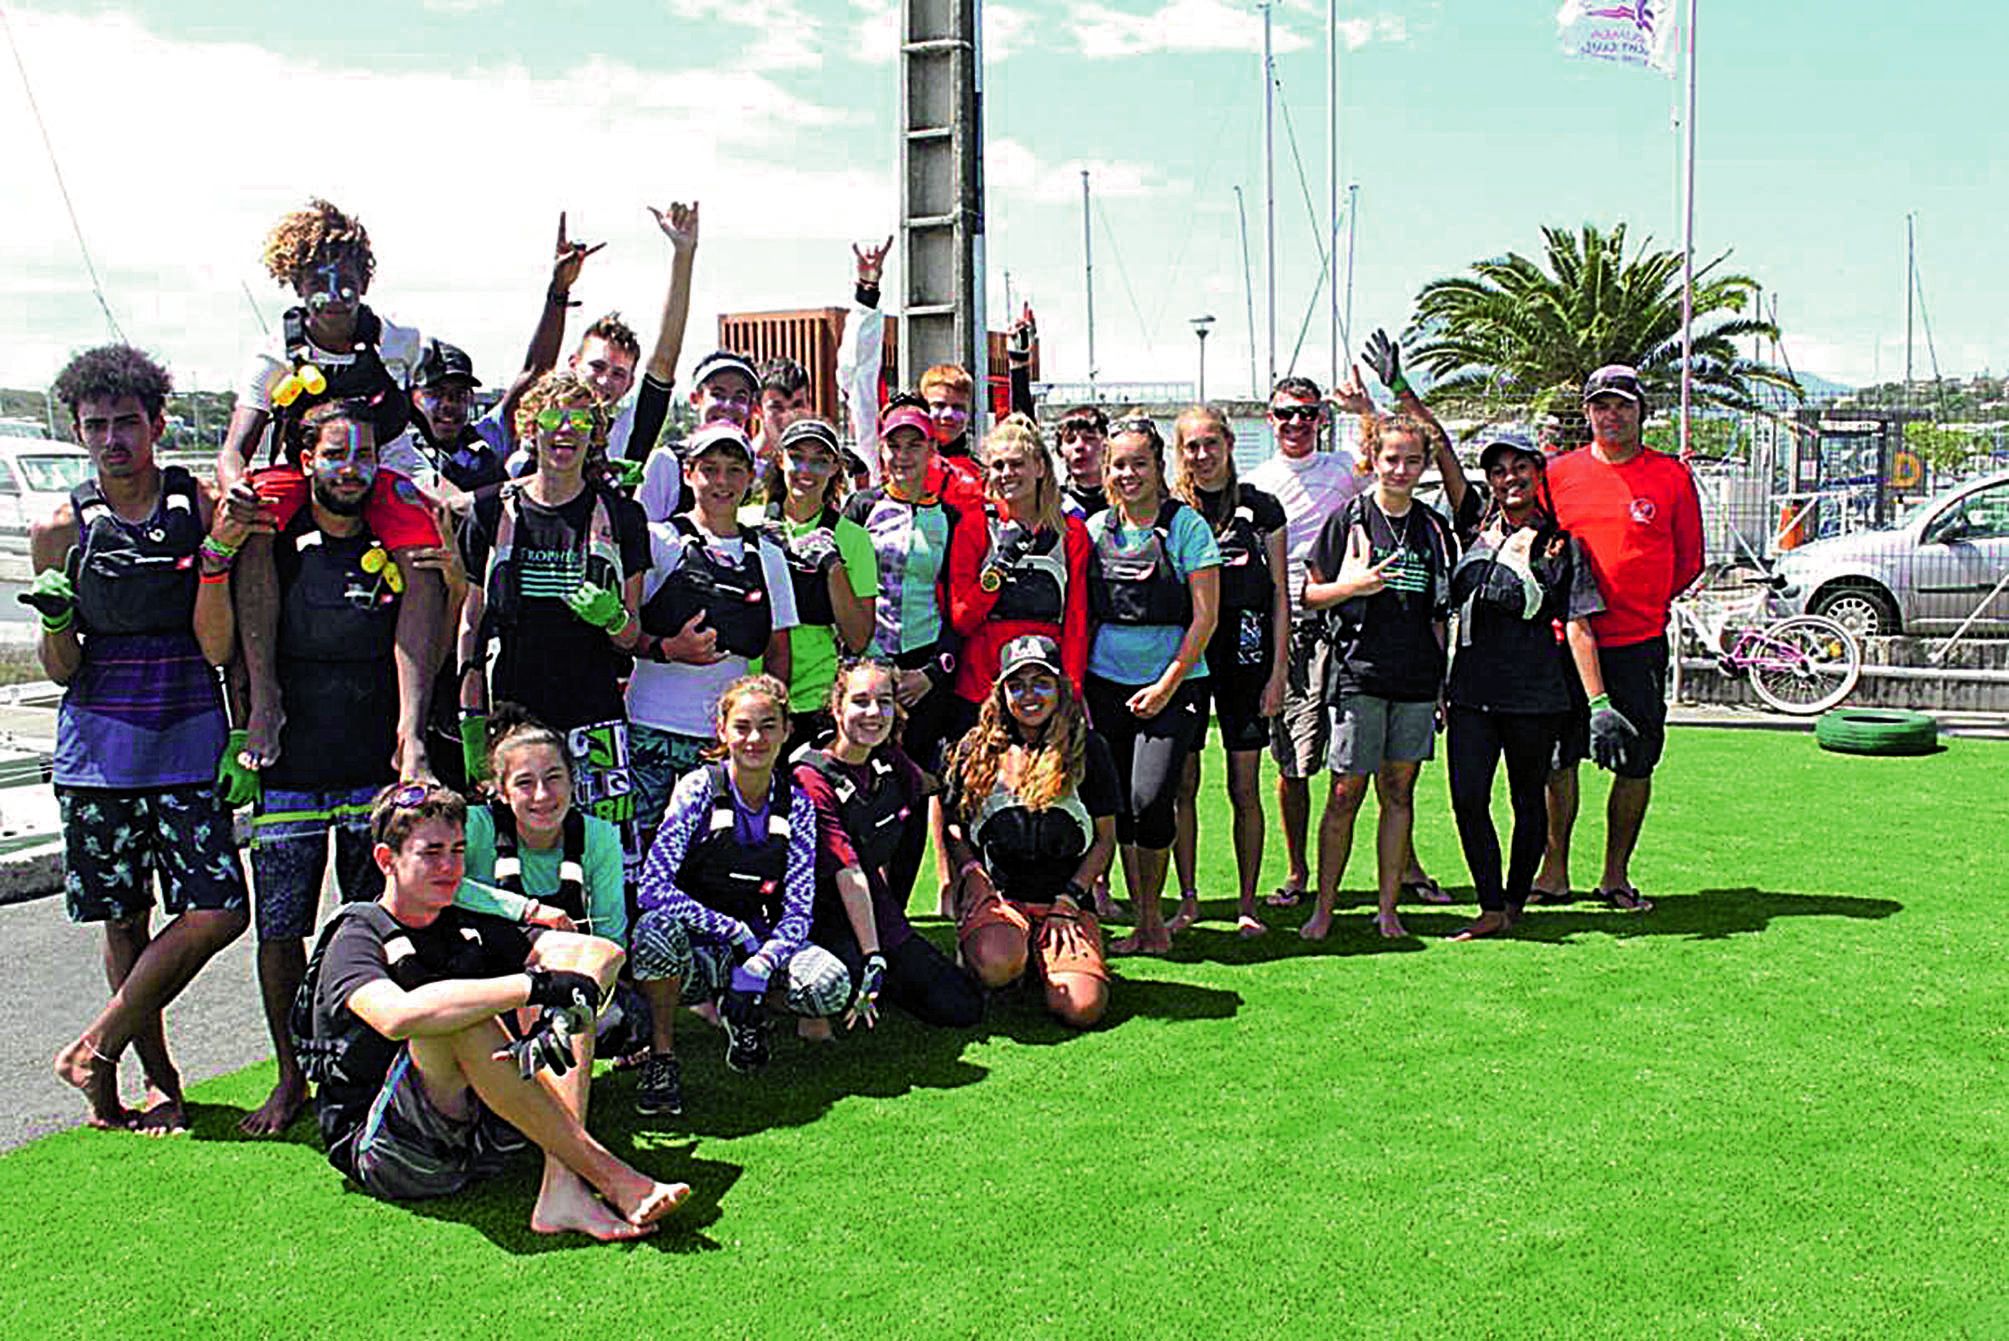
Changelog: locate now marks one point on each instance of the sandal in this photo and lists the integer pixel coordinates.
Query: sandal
(1426, 890)
(1284, 897)
(1625, 899)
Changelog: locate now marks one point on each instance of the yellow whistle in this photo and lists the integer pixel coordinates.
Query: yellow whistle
(373, 560)
(287, 390)
(311, 378)
(395, 580)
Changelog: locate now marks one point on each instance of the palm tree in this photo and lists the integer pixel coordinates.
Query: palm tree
(1516, 334)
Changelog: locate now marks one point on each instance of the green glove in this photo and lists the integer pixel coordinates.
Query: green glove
(54, 597)
(625, 473)
(474, 747)
(240, 786)
(599, 606)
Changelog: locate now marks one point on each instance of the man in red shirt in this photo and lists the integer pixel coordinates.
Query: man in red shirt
(1637, 514)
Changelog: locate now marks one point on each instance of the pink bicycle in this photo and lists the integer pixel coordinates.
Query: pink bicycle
(1801, 664)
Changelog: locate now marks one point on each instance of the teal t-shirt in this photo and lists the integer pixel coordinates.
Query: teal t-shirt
(1137, 654)
(606, 901)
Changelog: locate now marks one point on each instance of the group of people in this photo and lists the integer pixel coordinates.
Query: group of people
(602, 724)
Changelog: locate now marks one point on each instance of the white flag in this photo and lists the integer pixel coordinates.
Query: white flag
(1629, 32)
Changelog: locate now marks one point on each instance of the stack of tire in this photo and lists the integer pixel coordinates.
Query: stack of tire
(1876, 731)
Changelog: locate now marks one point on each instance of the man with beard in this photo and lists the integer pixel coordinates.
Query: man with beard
(339, 593)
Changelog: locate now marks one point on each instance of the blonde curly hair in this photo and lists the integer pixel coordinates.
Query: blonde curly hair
(563, 390)
(319, 234)
(1055, 762)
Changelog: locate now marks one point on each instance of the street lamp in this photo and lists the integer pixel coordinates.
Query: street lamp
(1201, 325)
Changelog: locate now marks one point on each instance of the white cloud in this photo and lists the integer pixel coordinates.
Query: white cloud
(785, 37)
(875, 36)
(1012, 170)
(1007, 32)
(462, 227)
(1178, 25)
(1381, 28)
(458, 6)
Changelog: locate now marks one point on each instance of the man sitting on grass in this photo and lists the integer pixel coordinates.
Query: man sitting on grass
(422, 1092)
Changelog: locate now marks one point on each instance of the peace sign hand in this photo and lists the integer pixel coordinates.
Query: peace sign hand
(1359, 573)
(679, 224)
(1351, 396)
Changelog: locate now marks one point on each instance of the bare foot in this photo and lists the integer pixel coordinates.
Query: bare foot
(1317, 926)
(1188, 914)
(276, 1114)
(82, 1066)
(261, 736)
(811, 1029)
(660, 1200)
(164, 1118)
(1142, 943)
(707, 1012)
(1389, 925)
(1248, 925)
(566, 1205)
(1489, 924)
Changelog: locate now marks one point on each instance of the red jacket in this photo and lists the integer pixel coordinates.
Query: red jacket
(984, 637)
(1641, 524)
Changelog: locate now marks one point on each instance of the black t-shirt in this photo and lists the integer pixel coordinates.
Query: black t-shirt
(1091, 499)
(1385, 644)
(1500, 659)
(552, 662)
(370, 944)
(1042, 876)
(1239, 653)
(472, 464)
(338, 682)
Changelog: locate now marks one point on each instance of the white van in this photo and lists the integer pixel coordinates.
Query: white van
(36, 476)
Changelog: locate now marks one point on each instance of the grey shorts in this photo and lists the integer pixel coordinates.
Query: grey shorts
(408, 1150)
(1368, 732)
(1299, 733)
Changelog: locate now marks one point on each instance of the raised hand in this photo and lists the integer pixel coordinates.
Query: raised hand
(679, 224)
(1024, 330)
(1351, 396)
(1385, 357)
(570, 258)
(871, 260)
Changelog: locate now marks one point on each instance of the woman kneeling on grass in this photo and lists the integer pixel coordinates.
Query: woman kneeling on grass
(1031, 797)
(867, 793)
(726, 896)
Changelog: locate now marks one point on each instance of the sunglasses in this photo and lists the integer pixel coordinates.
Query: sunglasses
(1136, 423)
(554, 418)
(411, 796)
(1284, 414)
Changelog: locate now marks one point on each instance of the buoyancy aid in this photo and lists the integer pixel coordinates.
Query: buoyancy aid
(502, 582)
(732, 594)
(1030, 571)
(571, 895)
(810, 555)
(137, 577)
(362, 377)
(875, 813)
(1144, 587)
(733, 878)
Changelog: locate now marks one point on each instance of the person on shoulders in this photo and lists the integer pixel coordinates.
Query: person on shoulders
(444, 1041)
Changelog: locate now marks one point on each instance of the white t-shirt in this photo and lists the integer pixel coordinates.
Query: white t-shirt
(676, 696)
(398, 346)
(662, 484)
(1310, 488)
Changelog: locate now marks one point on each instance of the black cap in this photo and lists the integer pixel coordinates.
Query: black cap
(1614, 379)
(443, 362)
(1029, 649)
(812, 430)
(1499, 444)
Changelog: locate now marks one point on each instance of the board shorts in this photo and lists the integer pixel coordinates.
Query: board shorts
(1368, 732)
(115, 841)
(1049, 952)
(407, 1150)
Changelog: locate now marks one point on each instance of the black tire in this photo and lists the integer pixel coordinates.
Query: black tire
(1864, 609)
(1873, 731)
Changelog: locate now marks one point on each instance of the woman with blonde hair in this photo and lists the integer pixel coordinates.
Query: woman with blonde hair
(1031, 797)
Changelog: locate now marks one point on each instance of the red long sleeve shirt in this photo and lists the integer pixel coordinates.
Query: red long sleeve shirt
(1641, 524)
(970, 608)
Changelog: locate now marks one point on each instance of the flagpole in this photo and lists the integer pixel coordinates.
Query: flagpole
(1688, 241)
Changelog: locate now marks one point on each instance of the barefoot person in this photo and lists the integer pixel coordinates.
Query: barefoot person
(729, 887)
(1032, 798)
(1248, 654)
(1382, 565)
(339, 598)
(1640, 521)
(141, 727)
(1154, 582)
(422, 1089)
(1508, 694)
(866, 792)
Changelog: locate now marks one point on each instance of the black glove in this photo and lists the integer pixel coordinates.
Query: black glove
(548, 1046)
(1385, 357)
(563, 990)
(741, 1003)
(1612, 737)
(865, 995)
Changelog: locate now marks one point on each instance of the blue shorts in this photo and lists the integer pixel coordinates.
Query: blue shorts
(289, 855)
(115, 842)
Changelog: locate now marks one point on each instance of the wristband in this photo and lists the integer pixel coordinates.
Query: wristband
(553, 295)
(211, 579)
(212, 548)
(1400, 386)
(529, 906)
(61, 625)
(1601, 701)
(1073, 890)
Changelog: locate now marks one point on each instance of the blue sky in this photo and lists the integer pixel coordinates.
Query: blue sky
(459, 128)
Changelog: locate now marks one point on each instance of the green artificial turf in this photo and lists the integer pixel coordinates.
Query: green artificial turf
(1773, 1107)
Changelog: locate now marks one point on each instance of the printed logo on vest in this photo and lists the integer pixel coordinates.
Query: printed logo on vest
(1643, 511)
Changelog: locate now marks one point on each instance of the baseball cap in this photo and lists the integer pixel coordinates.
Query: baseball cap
(907, 416)
(443, 362)
(1614, 379)
(1499, 444)
(717, 435)
(723, 360)
(1030, 649)
(811, 431)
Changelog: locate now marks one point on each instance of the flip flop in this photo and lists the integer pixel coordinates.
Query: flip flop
(1426, 890)
(1284, 897)
(1625, 899)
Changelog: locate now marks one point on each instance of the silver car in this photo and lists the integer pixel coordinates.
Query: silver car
(1938, 564)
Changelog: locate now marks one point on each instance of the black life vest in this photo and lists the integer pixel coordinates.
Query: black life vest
(600, 552)
(810, 555)
(1028, 850)
(1142, 588)
(571, 895)
(875, 814)
(729, 877)
(732, 595)
(1034, 584)
(333, 608)
(364, 377)
(1245, 559)
(137, 577)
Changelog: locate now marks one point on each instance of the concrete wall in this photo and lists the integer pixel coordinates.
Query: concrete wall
(1940, 689)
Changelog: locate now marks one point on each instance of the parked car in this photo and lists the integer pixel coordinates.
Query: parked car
(1925, 574)
(36, 475)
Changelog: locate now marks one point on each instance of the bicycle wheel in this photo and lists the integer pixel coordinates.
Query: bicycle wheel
(1804, 664)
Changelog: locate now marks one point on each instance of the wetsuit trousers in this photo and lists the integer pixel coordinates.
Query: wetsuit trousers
(1475, 740)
